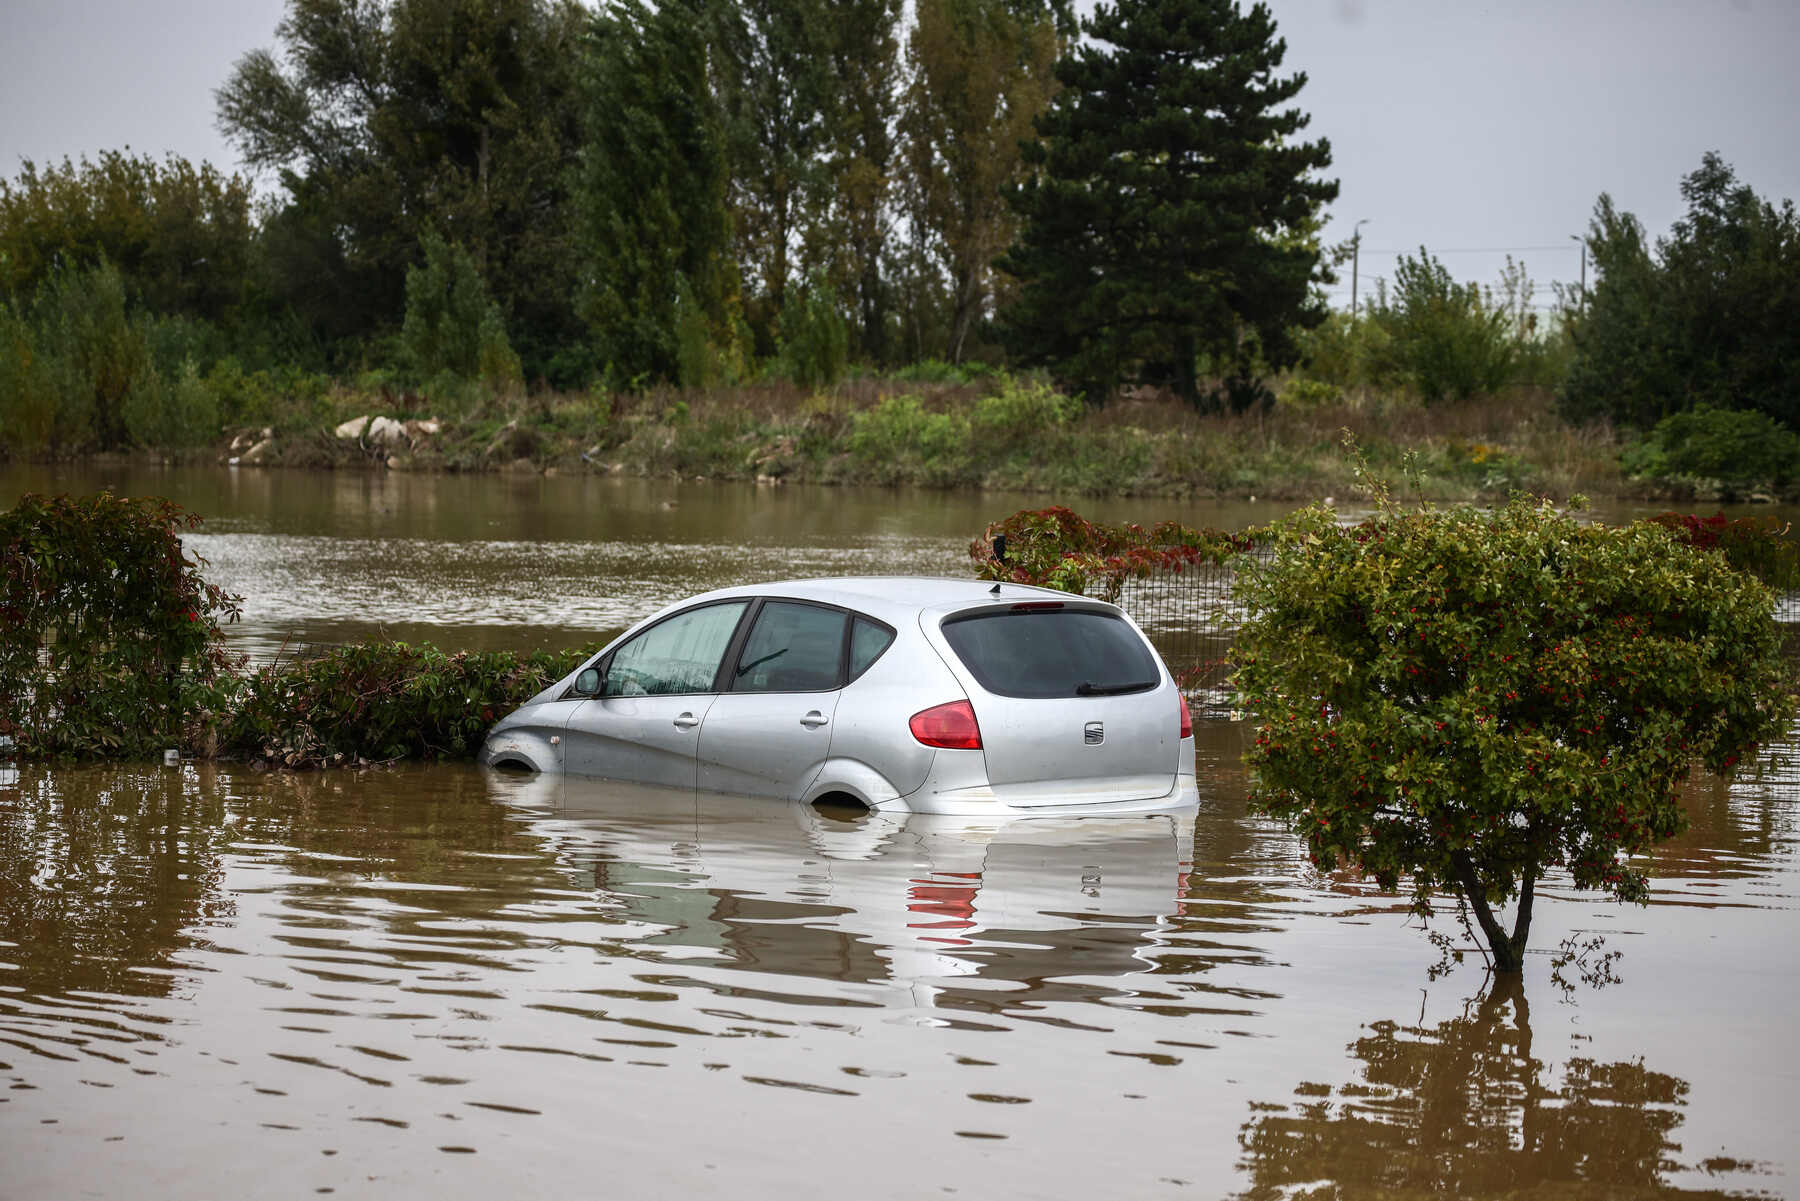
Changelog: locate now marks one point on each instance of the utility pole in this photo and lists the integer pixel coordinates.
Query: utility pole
(1574, 238)
(1355, 262)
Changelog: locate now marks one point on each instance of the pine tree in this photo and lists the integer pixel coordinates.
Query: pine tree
(1172, 211)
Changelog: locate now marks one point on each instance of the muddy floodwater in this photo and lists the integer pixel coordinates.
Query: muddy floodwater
(438, 981)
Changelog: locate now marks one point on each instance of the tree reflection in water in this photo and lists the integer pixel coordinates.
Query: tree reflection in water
(105, 873)
(1464, 1109)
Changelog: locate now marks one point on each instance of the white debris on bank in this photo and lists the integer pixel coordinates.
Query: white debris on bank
(377, 430)
(249, 446)
(372, 431)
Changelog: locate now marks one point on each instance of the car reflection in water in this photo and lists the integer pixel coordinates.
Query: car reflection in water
(993, 914)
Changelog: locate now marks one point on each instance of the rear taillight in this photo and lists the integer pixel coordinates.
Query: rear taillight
(949, 725)
(1187, 720)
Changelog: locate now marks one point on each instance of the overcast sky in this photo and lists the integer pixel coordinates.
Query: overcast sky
(1470, 128)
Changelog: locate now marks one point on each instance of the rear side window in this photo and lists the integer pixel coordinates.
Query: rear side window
(867, 641)
(792, 648)
(1044, 653)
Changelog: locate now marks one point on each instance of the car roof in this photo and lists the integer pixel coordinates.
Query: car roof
(893, 598)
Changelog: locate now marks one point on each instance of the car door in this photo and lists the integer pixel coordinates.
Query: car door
(768, 732)
(655, 690)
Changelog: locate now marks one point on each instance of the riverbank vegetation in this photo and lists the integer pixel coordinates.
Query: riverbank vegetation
(111, 647)
(829, 242)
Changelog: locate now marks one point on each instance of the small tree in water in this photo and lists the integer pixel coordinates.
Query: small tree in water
(1468, 699)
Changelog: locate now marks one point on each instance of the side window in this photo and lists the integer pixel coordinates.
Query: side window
(867, 641)
(792, 648)
(678, 655)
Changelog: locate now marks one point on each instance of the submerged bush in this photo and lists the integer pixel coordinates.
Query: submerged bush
(1466, 700)
(383, 701)
(109, 638)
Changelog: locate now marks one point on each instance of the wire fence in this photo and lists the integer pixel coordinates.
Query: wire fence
(1189, 615)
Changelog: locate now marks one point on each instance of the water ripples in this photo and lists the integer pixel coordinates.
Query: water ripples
(355, 974)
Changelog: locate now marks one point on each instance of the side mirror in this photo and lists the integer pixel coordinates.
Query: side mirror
(588, 682)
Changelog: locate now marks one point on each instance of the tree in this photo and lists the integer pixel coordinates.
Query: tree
(88, 356)
(654, 232)
(1469, 699)
(1447, 339)
(1451, 1109)
(386, 118)
(179, 235)
(772, 72)
(980, 75)
(862, 164)
(452, 327)
(1171, 209)
(1708, 317)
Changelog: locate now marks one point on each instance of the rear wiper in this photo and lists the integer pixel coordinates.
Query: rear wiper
(1086, 689)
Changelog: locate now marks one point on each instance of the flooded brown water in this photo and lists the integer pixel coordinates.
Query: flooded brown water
(440, 981)
(437, 981)
(503, 561)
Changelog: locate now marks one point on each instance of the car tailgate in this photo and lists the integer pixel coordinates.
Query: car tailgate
(1064, 749)
(1080, 750)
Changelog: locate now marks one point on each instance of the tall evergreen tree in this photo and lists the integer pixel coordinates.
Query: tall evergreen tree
(1172, 207)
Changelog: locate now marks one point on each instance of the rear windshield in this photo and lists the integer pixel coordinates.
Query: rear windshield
(1052, 652)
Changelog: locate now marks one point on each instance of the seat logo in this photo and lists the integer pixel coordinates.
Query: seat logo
(1094, 734)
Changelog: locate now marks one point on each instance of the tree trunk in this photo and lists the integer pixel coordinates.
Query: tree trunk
(1509, 950)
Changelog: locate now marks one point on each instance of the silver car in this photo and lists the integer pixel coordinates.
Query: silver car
(934, 696)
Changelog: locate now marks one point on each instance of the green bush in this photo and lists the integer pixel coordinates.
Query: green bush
(452, 327)
(109, 638)
(27, 418)
(172, 414)
(1346, 353)
(1019, 414)
(383, 701)
(815, 340)
(1302, 393)
(940, 371)
(93, 355)
(900, 440)
(1468, 699)
(1739, 449)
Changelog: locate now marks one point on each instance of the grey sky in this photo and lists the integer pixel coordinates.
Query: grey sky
(1458, 125)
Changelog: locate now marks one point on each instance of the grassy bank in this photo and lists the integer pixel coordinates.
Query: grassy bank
(944, 429)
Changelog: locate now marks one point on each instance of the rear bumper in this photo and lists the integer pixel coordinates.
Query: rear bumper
(957, 786)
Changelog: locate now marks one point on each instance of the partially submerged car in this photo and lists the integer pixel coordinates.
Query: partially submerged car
(934, 696)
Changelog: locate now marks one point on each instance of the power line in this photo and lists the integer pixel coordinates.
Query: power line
(1474, 250)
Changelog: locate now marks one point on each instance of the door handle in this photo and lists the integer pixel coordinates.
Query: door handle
(814, 720)
(686, 721)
